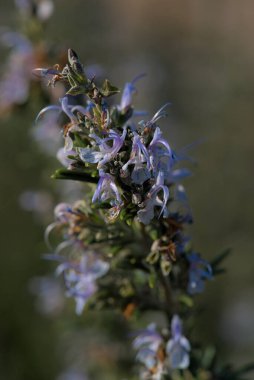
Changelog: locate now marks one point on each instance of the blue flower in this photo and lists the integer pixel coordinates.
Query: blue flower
(17, 41)
(42, 9)
(138, 156)
(73, 125)
(90, 155)
(107, 189)
(128, 92)
(161, 157)
(62, 157)
(159, 114)
(178, 347)
(177, 175)
(66, 109)
(63, 215)
(80, 278)
(107, 152)
(157, 197)
(41, 72)
(62, 212)
(199, 271)
(147, 343)
(180, 204)
(15, 83)
(84, 110)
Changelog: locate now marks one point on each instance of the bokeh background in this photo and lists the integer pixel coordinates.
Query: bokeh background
(199, 56)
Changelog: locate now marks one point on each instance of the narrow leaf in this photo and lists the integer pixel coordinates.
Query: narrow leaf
(75, 175)
(108, 89)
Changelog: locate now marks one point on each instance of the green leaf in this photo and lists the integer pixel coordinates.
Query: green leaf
(208, 357)
(152, 279)
(123, 214)
(77, 70)
(153, 234)
(215, 263)
(108, 89)
(186, 300)
(72, 56)
(129, 221)
(76, 90)
(75, 175)
(78, 141)
(101, 205)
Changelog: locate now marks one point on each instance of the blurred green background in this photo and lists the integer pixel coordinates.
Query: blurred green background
(199, 56)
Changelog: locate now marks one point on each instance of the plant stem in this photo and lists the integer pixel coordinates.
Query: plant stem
(168, 294)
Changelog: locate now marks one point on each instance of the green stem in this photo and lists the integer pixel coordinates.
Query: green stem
(168, 294)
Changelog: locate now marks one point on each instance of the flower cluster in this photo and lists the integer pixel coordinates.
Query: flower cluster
(134, 164)
(160, 356)
(80, 265)
(150, 353)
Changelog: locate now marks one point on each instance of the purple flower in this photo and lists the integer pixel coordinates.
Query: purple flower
(65, 106)
(69, 111)
(107, 189)
(178, 347)
(157, 197)
(107, 152)
(159, 114)
(138, 156)
(84, 110)
(65, 220)
(181, 204)
(73, 127)
(47, 109)
(80, 278)
(66, 109)
(62, 156)
(90, 155)
(160, 153)
(43, 9)
(17, 41)
(15, 83)
(147, 344)
(177, 175)
(128, 92)
(42, 72)
(62, 212)
(199, 271)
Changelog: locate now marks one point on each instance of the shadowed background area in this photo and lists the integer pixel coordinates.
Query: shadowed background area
(197, 55)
